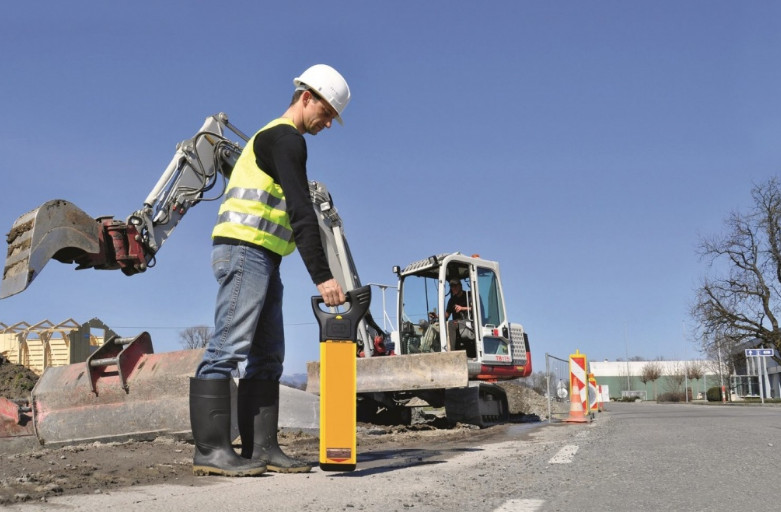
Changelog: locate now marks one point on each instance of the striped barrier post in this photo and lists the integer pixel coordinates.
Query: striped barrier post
(593, 394)
(577, 372)
(576, 412)
(578, 388)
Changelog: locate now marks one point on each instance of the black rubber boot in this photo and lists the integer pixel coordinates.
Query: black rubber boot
(210, 419)
(258, 411)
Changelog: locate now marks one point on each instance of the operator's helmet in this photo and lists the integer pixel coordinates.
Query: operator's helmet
(328, 84)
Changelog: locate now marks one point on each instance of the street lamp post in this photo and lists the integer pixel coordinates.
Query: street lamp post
(721, 373)
(626, 347)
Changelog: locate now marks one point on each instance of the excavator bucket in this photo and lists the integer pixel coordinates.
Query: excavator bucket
(15, 419)
(413, 372)
(124, 391)
(57, 229)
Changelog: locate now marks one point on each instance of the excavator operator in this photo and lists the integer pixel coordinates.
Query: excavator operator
(266, 214)
(458, 304)
(460, 332)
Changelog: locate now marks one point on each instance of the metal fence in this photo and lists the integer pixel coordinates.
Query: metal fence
(557, 377)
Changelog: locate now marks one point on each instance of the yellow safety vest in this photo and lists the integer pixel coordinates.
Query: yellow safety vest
(254, 208)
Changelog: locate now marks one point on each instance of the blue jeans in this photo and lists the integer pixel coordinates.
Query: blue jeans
(248, 325)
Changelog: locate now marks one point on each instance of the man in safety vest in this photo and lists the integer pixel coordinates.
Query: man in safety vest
(266, 214)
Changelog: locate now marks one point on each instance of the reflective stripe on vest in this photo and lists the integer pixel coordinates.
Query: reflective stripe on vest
(262, 196)
(255, 222)
(254, 209)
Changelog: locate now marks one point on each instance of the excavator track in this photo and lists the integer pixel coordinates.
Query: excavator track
(481, 403)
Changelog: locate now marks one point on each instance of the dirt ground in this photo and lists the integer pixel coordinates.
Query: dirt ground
(16, 381)
(30, 473)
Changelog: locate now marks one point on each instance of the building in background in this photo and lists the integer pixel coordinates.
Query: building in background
(44, 344)
(755, 375)
(648, 380)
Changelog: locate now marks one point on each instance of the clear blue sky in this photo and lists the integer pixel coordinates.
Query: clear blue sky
(586, 146)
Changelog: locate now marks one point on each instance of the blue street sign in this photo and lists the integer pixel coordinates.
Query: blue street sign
(763, 352)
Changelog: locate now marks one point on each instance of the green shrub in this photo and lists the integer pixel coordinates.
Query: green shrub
(713, 394)
(671, 397)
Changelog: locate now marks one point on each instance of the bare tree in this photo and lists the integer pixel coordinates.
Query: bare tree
(694, 370)
(742, 297)
(651, 372)
(722, 360)
(676, 378)
(195, 337)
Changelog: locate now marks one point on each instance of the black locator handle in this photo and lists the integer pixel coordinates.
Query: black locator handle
(343, 326)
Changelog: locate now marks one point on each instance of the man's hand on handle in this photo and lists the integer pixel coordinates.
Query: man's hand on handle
(331, 292)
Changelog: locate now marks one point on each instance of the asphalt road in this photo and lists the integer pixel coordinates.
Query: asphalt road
(638, 457)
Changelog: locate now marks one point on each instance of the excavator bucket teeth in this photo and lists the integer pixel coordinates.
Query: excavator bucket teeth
(57, 229)
(413, 372)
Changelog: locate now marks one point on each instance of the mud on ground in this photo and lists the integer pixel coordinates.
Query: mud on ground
(34, 475)
(16, 381)
(30, 473)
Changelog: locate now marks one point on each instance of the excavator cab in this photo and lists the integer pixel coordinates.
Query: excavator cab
(496, 349)
(422, 328)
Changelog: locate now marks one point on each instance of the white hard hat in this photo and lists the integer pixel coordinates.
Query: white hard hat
(328, 84)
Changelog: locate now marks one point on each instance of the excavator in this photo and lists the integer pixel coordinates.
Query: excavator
(451, 363)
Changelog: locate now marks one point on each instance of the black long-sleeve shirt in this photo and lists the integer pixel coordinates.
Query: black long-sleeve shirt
(281, 153)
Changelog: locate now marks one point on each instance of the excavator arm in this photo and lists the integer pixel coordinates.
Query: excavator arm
(372, 339)
(60, 230)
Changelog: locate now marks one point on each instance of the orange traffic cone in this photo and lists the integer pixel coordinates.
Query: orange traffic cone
(576, 414)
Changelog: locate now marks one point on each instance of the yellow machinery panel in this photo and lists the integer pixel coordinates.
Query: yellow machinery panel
(337, 406)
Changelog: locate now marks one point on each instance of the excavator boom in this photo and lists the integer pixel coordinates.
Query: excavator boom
(60, 230)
